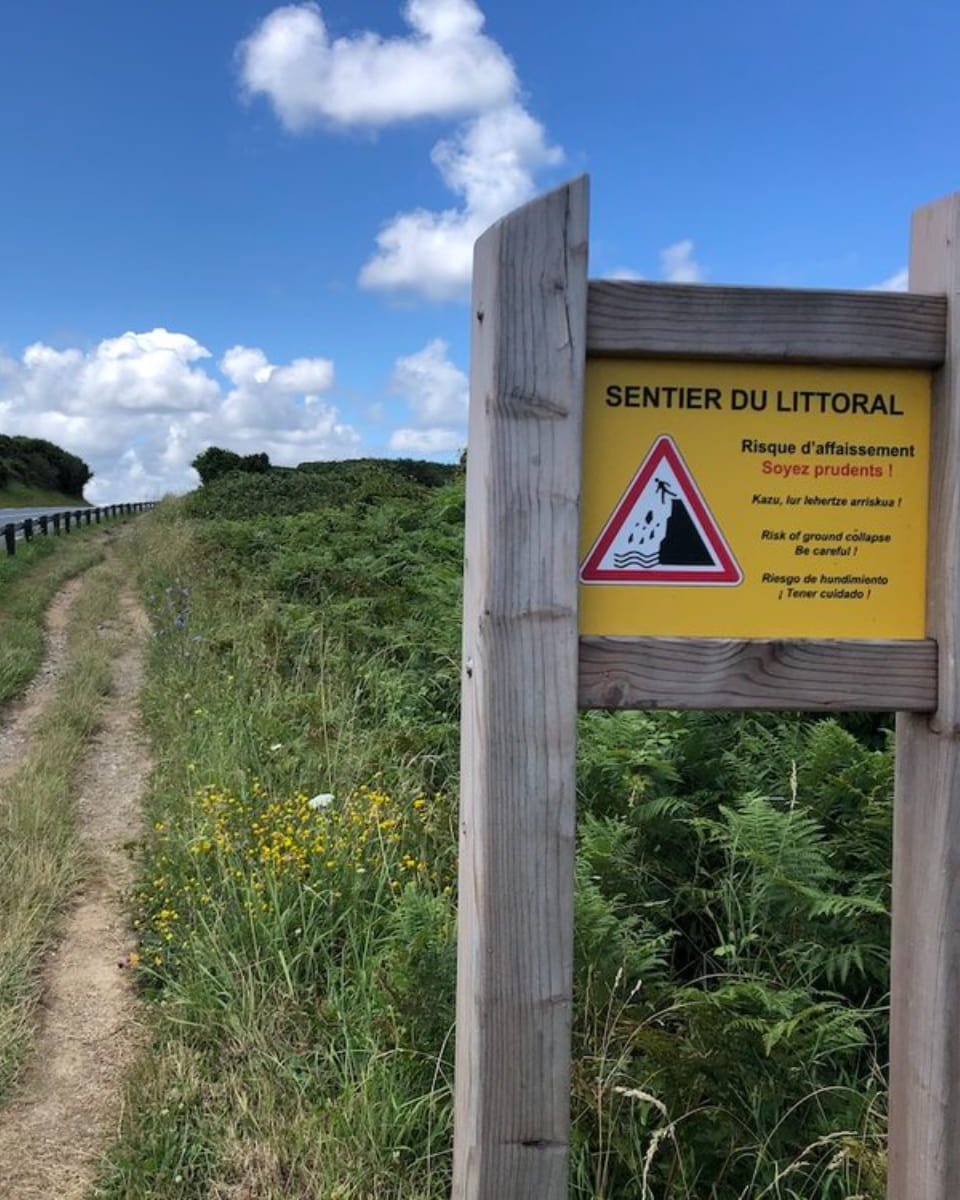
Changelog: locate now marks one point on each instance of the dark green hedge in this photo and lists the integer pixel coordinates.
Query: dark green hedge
(40, 464)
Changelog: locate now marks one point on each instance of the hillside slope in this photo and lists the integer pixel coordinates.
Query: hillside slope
(34, 471)
(20, 495)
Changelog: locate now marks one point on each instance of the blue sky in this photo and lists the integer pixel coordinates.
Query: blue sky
(248, 225)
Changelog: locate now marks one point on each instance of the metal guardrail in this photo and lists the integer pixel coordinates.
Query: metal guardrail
(57, 522)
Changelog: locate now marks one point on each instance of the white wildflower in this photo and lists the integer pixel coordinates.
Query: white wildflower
(321, 800)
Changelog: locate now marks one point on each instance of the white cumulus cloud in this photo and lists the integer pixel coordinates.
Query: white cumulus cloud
(437, 394)
(139, 407)
(678, 264)
(137, 372)
(435, 388)
(445, 68)
(897, 282)
(280, 409)
(490, 163)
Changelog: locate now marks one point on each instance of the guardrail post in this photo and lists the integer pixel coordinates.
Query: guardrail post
(56, 524)
(10, 537)
(66, 522)
(43, 521)
(96, 515)
(28, 529)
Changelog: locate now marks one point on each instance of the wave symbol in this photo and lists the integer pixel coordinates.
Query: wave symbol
(634, 558)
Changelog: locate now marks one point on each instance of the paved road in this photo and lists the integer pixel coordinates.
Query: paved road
(20, 514)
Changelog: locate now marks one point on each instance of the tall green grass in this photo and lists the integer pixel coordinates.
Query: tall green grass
(290, 909)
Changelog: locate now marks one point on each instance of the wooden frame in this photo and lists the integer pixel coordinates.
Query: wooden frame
(525, 671)
(817, 675)
(745, 324)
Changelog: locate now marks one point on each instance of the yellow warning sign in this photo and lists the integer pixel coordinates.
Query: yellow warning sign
(754, 500)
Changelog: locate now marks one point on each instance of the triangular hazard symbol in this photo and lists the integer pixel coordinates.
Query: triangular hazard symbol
(661, 531)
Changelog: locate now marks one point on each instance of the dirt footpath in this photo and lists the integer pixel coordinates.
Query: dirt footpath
(20, 719)
(69, 1102)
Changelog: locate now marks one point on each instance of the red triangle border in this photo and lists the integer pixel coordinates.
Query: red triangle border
(727, 572)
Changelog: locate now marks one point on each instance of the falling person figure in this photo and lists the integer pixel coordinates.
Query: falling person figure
(663, 490)
(661, 532)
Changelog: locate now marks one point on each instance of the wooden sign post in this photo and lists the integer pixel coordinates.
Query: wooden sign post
(518, 776)
(751, 533)
(924, 1141)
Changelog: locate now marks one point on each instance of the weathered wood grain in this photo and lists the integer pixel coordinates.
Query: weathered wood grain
(924, 1140)
(518, 779)
(703, 673)
(765, 324)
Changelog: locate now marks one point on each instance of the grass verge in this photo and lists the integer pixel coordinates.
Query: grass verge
(21, 495)
(40, 859)
(28, 582)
